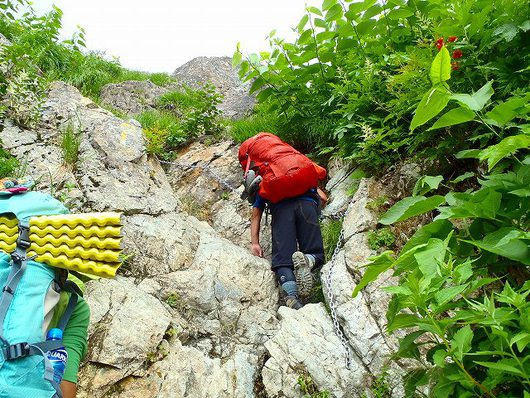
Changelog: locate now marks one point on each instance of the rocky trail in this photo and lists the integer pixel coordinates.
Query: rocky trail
(193, 313)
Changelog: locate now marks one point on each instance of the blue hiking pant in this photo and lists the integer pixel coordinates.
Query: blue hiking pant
(295, 227)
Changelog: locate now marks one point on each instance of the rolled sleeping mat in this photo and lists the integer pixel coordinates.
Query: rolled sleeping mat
(87, 243)
(75, 220)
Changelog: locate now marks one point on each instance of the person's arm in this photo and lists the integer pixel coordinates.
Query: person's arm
(323, 197)
(68, 389)
(255, 223)
(75, 342)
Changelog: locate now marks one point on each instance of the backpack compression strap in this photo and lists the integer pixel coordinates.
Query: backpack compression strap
(19, 262)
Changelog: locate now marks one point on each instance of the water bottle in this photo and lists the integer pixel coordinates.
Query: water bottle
(58, 356)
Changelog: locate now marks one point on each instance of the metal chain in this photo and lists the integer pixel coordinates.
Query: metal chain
(338, 216)
(205, 169)
(331, 296)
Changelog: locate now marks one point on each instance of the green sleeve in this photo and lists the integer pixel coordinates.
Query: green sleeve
(75, 339)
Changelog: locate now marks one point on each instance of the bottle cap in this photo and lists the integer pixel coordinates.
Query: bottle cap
(54, 334)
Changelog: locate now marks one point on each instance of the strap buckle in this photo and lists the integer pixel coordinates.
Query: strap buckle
(23, 240)
(15, 351)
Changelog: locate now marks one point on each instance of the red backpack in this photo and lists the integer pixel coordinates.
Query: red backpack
(286, 172)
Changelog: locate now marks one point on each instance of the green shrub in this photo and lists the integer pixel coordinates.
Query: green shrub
(379, 238)
(161, 79)
(197, 109)
(8, 164)
(463, 293)
(163, 131)
(356, 72)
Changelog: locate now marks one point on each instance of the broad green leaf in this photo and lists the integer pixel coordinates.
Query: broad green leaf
(476, 101)
(305, 37)
(366, 27)
(463, 272)
(403, 290)
(439, 358)
(410, 207)
(258, 83)
(426, 184)
(356, 8)
(437, 229)
(321, 23)
(521, 339)
(429, 258)
(484, 203)
(501, 365)
(314, 10)
(407, 346)
(454, 116)
(345, 44)
(448, 294)
(372, 11)
(303, 22)
(463, 177)
(468, 154)
(236, 59)
(322, 36)
(514, 249)
(461, 342)
(378, 265)
(441, 67)
(399, 13)
(406, 260)
(507, 31)
(432, 103)
(264, 94)
(334, 13)
(522, 192)
(402, 321)
(506, 147)
(506, 111)
(327, 4)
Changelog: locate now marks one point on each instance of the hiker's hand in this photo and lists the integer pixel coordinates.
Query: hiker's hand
(257, 250)
(323, 197)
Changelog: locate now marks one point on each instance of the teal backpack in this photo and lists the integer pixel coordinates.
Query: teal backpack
(30, 292)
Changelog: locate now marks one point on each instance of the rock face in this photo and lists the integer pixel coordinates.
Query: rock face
(193, 313)
(218, 71)
(131, 97)
(208, 181)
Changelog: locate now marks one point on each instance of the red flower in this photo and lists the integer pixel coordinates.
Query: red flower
(455, 65)
(457, 54)
(451, 39)
(440, 43)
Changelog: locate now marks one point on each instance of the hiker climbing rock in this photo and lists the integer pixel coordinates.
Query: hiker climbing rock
(279, 177)
(43, 317)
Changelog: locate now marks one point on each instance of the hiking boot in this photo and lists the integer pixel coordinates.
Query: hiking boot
(293, 302)
(302, 272)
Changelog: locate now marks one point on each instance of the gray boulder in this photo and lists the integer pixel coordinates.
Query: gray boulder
(218, 71)
(131, 97)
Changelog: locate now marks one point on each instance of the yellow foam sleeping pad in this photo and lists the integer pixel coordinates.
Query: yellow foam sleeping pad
(87, 243)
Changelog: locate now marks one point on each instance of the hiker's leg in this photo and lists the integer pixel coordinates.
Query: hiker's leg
(283, 234)
(308, 231)
(286, 280)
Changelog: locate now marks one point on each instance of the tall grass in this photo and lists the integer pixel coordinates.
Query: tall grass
(240, 130)
(70, 142)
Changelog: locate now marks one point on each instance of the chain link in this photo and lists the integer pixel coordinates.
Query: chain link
(331, 296)
(208, 170)
(337, 216)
